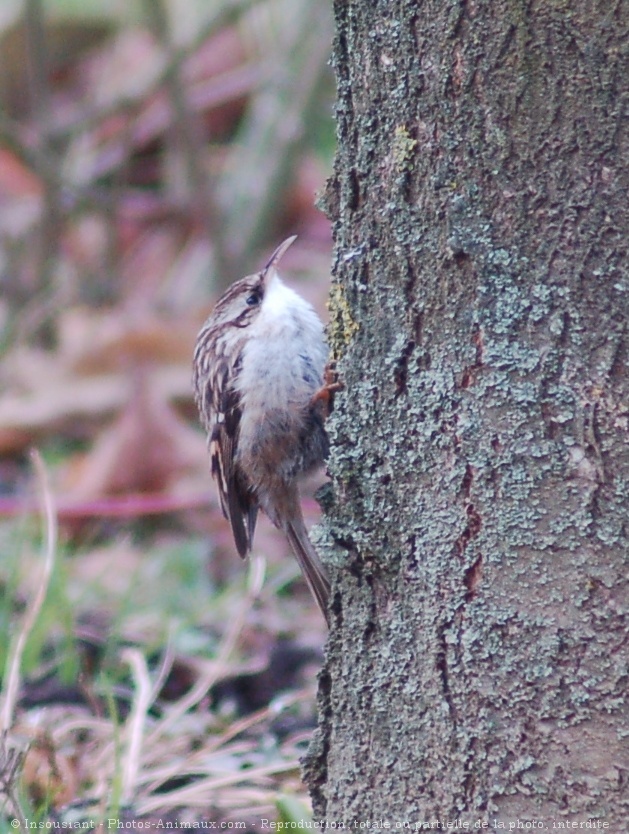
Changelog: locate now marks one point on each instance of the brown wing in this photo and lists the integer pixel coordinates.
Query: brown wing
(222, 409)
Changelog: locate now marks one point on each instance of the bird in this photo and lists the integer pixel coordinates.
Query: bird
(263, 391)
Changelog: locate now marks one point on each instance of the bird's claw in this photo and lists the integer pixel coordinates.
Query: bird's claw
(325, 394)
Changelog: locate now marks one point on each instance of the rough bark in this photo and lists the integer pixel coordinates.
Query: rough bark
(477, 524)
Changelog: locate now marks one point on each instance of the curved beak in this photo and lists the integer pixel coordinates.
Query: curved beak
(277, 256)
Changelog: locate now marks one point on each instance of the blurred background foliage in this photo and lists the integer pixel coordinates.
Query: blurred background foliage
(151, 152)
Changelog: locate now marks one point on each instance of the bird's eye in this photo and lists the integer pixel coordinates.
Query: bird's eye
(253, 300)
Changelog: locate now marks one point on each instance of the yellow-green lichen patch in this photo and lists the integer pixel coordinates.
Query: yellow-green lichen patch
(342, 326)
(403, 149)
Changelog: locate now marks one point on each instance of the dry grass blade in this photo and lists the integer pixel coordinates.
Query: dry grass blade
(196, 794)
(198, 761)
(219, 667)
(10, 756)
(34, 606)
(251, 720)
(136, 722)
(11, 761)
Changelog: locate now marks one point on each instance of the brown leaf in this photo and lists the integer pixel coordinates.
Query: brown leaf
(48, 775)
(145, 449)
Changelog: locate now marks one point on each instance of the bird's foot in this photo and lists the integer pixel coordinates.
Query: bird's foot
(325, 395)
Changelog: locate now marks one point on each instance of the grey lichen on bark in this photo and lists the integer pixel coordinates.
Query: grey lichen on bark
(477, 534)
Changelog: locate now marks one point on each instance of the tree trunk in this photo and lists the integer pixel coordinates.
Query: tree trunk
(477, 525)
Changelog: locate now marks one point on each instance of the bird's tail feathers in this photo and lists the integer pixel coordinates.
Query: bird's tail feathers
(310, 564)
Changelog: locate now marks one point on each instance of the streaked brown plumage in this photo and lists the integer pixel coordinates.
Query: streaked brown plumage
(258, 365)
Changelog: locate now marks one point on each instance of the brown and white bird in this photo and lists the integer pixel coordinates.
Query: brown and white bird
(258, 376)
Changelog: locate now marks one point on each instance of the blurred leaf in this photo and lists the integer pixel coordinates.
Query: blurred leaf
(145, 449)
(277, 123)
(92, 9)
(293, 812)
(49, 777)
